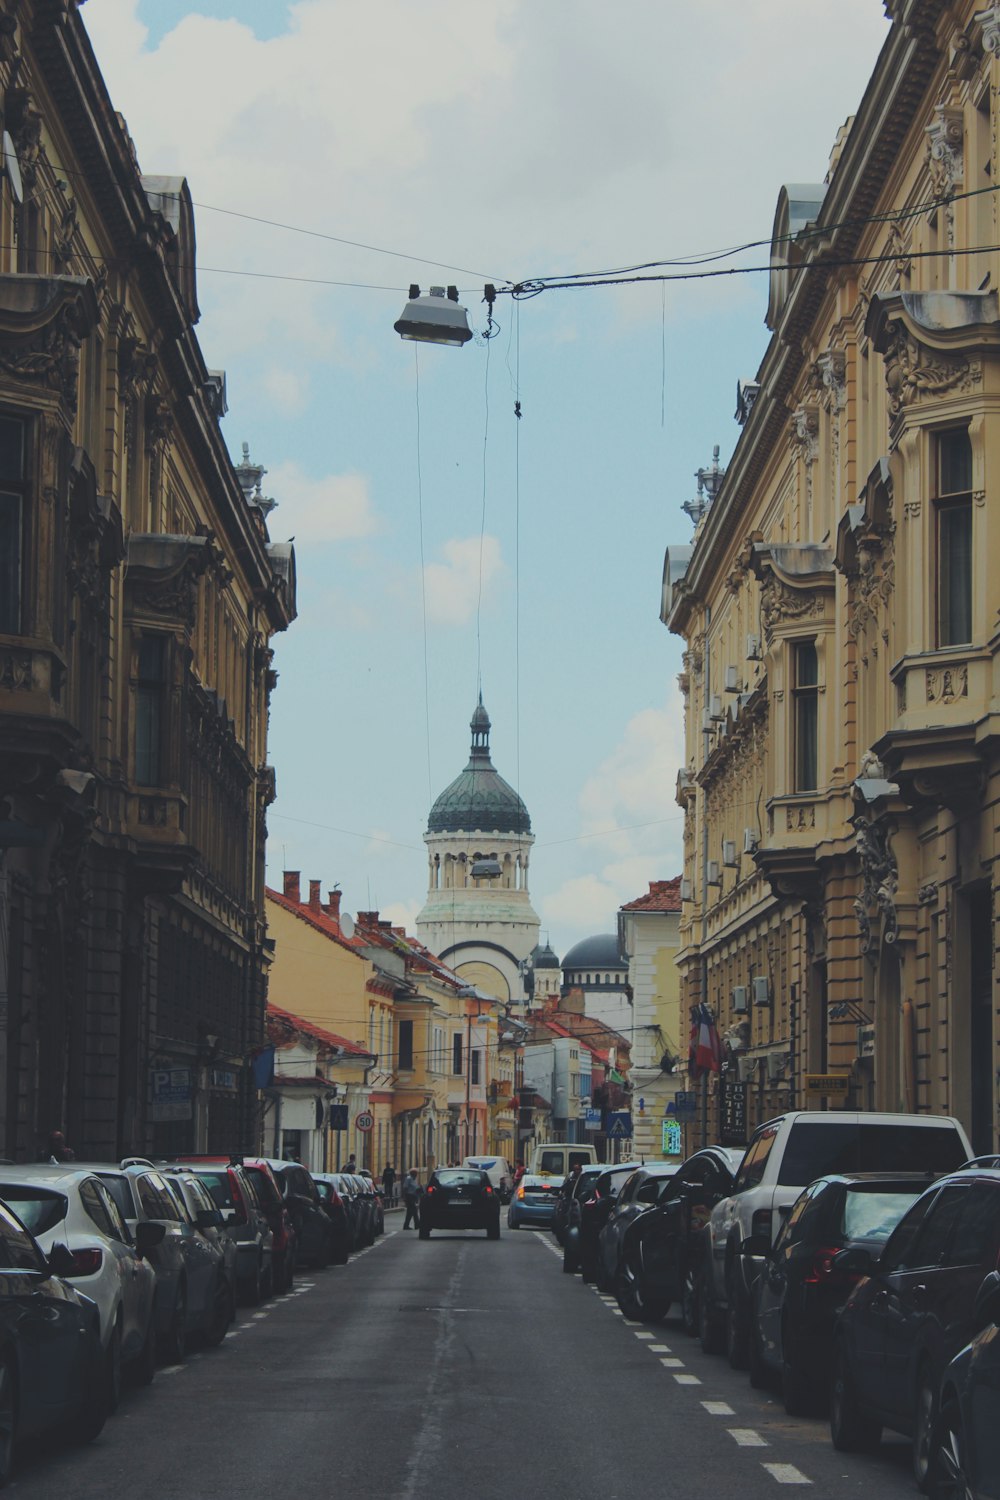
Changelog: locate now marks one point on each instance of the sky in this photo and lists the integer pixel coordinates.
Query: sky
(338, 150)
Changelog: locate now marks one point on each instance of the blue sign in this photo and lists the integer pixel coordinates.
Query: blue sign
(673, 1142)
(619, 1126)
(592, 1120)
(172, 1094)
(685, 1103)
(338, 1116)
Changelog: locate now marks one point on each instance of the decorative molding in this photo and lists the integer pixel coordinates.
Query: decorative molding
(16, 674)
(879, 883)
(912, 371)
(831, 377)
(800, 819)
(911, 510)
(945, 140)
(989, 22)
(927, 893)
(979, 498)
(947, 684)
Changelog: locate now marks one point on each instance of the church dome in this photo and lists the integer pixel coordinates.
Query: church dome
(479, 798)
(544, 958)
(600, 952)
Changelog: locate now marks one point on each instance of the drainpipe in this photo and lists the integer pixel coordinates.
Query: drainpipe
(705, 738)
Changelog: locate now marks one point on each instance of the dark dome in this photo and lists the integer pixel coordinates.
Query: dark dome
(479, 797)
(543, 958)
(599, 952)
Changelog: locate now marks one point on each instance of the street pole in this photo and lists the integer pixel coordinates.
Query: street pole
(468, 1077)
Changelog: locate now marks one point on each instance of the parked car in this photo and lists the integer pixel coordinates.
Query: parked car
(69, 1205)
(354, 1202)
(497, 1169)
(638, 1194)
(660, 1248)
(566, 1219)
(784, 1155)
(965, 1463)
(459, 1198)
(534, 1201)
(374, 1188)
(800, 1291)
(912, 1313)
(52, 1361)
(191, 1297)
(333, 1205)
(594, 1211)
(371, 1207)
(269, 1195)
(191, 1194)
(232, 1191)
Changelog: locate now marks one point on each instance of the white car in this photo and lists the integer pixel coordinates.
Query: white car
(63, 1204)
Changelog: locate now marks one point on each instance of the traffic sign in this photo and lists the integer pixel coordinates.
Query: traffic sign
(685, 1103)
(364, 1121)
(619, 1125)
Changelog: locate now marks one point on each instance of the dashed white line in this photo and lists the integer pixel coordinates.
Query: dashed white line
(745, 1437)
(641, 1334)
(786, 1473)
(672, 1364)
(686, 1379)
(171, 1369)
(718, 1408)
(659, 1349)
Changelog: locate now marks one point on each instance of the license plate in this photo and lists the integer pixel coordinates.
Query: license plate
(461, 1202)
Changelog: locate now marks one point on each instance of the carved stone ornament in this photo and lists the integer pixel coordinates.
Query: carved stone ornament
(931, 342)
(989, 21)
(43, 321)
(831, 377)
(15, 671)
(162, 575)
(865, 550)
(947, 684)
(805, 431)
(796, 580)
(879, 883)
(912, 371)
(945, 138)
(159, 421)
(927, 893)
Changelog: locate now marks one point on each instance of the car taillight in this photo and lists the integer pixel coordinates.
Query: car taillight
(239, 1207)
(489, 1192)
(520, 1192)
(822, 1269)
(431, 1188)
(87, 1262)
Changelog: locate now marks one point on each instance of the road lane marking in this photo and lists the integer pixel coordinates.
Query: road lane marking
(786, 1473)
(672, 1364)
(233, 1332)
(660, 1349)
(718, 1408)
(686, 1379)
(641, 1334)
(171, 1369)
(745, 1437)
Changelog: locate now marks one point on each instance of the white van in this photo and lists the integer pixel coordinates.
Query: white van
(497, 1170)
(557, 1159)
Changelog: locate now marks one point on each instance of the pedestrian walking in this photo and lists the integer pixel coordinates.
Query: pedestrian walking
(411, 1197)
(389, 1183)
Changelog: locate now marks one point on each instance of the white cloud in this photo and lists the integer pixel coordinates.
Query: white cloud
(336, 508)
(453, 586)
(401, 914)
(586, 904)
(286, 389)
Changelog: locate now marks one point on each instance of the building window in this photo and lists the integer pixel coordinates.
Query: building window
(457, 1065)
(438, 1049)
(149, 695)
(12, 523)
(806, 697)
(474, 1065)
(953, 511)
(405, 1046)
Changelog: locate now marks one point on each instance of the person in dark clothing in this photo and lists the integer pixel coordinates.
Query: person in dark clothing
(389, 1183)
(411, 1197)
(56, 1148)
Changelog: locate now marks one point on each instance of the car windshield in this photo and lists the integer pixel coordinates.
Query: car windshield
(822, 1150)
(219, 1187)
(264, 1185)
(553, 1162)
(873, 1213)
(39, 1209)
(459, 1179)
(585, 1182)
(121, 1193)
(611, 1184)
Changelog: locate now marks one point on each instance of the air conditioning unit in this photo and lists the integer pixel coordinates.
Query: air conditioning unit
(729, 853)
(762, 990)
(746, 1067)
(714, 877)
(749, 841)
(740, 999)
(753, 648)
(715, 707)
(686, 890)
(777, 1063)
(733, 684)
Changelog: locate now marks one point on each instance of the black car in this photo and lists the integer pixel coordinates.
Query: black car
(460, 1198)
(912, 1313)
(566, 1222)
(50, 1347)
(234, 1194)
(594, 1212)
(313, 1232)
(645, 1187)
(333, 1205)
(660, 1249)
(966, 1455)
(800, 1290)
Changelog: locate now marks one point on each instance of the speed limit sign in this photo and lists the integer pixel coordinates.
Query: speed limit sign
(364, 1122)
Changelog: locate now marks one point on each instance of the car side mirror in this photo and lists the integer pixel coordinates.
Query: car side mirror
(148, 1235)
(756, 1244)
(232, 1217)
(856, 1261)
(208, 1218)
(986, 1309)
(60, 1261)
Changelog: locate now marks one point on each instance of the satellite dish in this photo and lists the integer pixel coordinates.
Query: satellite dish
(12, 167)
(347, 924)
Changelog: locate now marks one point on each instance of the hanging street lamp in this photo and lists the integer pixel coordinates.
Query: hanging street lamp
(437, 318)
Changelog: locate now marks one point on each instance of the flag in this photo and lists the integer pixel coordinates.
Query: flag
(263, 1068)
(705, 1044)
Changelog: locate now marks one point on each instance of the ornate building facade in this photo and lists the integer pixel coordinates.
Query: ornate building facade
(139, 593)
(840, 617)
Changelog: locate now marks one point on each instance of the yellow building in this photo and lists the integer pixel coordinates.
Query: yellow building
(649, 937)
(839, 610)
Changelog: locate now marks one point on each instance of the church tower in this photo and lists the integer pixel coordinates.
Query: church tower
(478, 915)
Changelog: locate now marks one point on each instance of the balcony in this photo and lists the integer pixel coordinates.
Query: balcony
(943, 698)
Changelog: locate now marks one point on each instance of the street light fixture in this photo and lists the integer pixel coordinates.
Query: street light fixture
(437, 318)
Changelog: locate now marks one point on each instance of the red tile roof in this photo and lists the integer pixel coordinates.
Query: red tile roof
(663, 895)
(316, 918)
(285, 1020)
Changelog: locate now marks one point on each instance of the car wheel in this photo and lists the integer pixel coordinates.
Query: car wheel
(424, 1232)
(689, 1305)
(737, 1323)
(710, 1331)
(342, 1256)
(569, 1262)
(289, 1271)
(851, 1431)
(221, 1309)
(924, 1423)
(255, 1286)
(950, 1479)
(266, 1282)
(587, 1270)
(113, 1370)
(8, 1417)
(798, 1382)
(601, 1277)
(633, 1299)
(94, 1409)
(144, 1368)
(493, 1231)
(174, 1342)
(760, 1375)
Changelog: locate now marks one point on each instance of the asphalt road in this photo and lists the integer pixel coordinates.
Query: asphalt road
(452, 1368)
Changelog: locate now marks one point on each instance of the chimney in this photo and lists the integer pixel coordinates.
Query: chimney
(291, 885)
(314, 901)
(333, 905)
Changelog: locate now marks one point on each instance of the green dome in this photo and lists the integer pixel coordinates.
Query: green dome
(479, 797)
